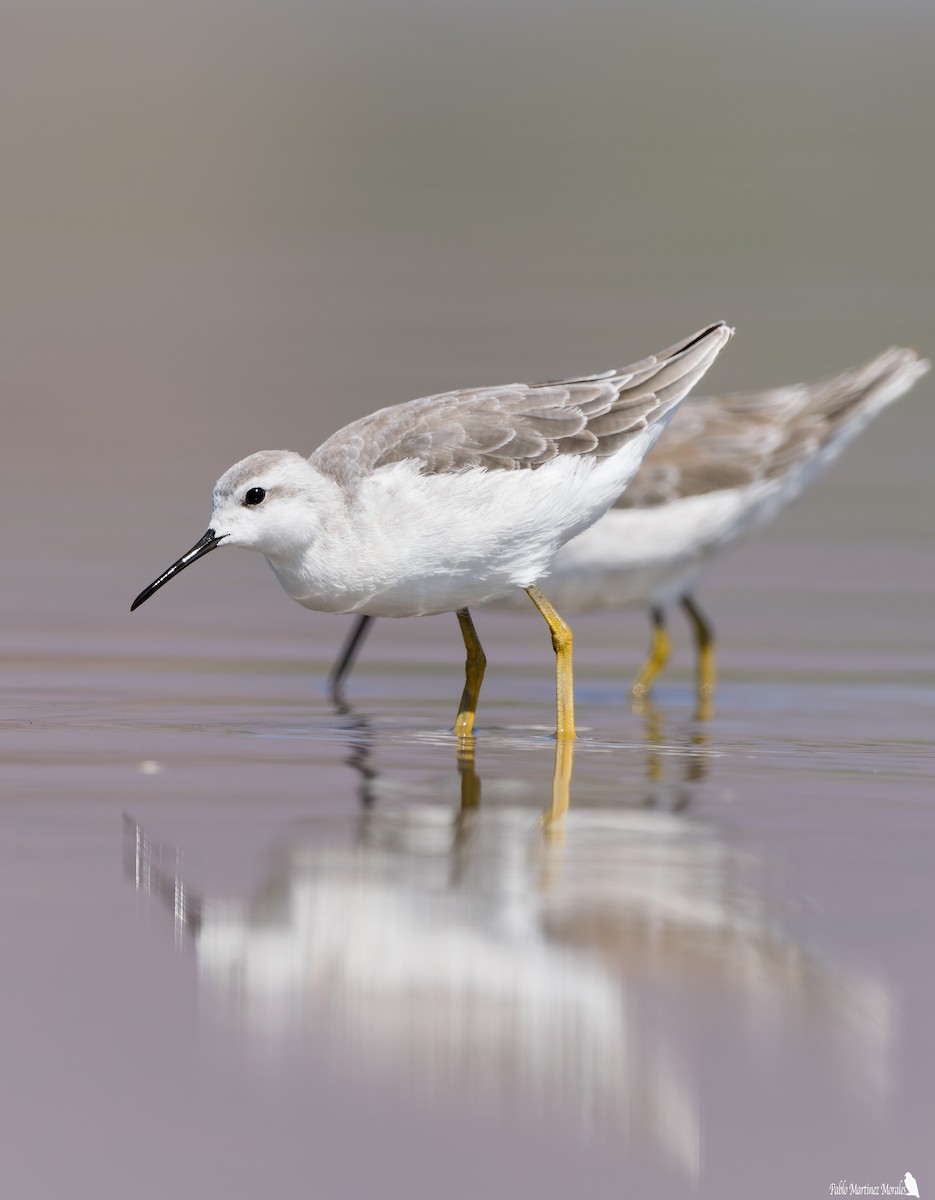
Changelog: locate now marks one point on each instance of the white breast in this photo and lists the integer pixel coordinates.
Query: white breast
(411, 544)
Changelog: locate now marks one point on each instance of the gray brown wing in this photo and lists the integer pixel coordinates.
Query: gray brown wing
(523, 425)
(731, 441)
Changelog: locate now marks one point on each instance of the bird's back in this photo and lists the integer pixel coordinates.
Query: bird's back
(727, 442)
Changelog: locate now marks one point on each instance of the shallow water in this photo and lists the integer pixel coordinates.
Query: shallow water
(257, 945)
(274, 930)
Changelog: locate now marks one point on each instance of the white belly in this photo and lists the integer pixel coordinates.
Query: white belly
(412, 544)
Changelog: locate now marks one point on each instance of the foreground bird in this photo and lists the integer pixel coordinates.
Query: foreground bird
(446, 502)
(725, 468)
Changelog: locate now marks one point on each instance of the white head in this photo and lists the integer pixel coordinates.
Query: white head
(266, 502)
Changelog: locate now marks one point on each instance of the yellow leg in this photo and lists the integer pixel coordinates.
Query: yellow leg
(474, 667)
(704, 643)
(561, 644)
(658, 655)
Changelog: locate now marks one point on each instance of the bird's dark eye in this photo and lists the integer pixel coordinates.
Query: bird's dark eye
(255, 496)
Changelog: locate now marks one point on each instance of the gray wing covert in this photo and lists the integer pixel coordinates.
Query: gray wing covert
(731, 441)
(522, 426)
(713, 443)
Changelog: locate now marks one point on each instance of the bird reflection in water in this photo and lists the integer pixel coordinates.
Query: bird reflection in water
(474, 955)
(686, 757)
(676, 758)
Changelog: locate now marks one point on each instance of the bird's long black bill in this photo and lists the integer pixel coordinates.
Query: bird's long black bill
(199, 550)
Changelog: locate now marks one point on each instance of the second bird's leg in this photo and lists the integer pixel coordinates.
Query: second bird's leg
(561, 644)
(704, 643)
(348, 655)
(659, 653)
(474, 667)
